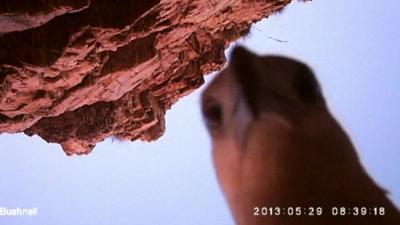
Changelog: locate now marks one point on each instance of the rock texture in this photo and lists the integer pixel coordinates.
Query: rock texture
(77, 71)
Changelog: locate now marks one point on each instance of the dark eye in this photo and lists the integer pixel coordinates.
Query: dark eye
(213, 114)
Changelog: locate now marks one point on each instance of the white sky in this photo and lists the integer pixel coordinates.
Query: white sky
(353, 47)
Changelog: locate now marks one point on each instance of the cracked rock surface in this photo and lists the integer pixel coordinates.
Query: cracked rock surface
(75, 72)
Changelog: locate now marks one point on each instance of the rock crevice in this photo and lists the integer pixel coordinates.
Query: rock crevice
(77, 71)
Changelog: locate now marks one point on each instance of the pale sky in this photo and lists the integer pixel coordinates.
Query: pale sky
(353, 47)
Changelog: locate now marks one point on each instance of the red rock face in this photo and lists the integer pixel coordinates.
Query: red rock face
(77, 71)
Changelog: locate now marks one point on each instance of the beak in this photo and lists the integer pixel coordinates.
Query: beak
(248, 72)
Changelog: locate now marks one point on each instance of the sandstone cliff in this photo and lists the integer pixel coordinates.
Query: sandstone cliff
(77, 71)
